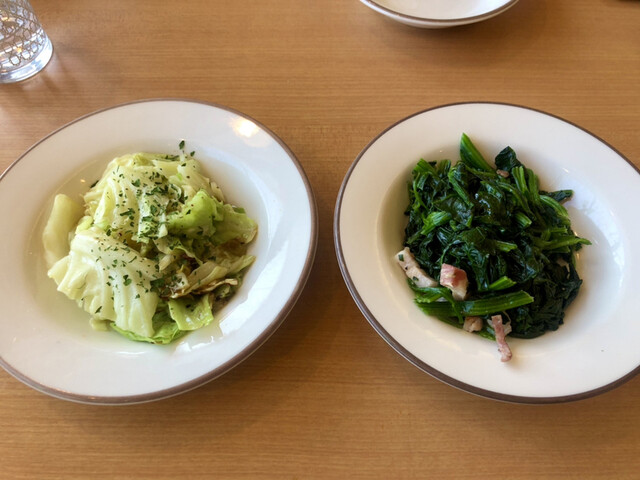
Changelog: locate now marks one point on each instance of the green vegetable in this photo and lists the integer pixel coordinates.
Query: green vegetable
(513, 240)
(63, 219)
(191, 314)
(156, 251)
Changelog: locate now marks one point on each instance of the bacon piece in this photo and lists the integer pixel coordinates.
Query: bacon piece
(411, 268)
(499, 329)
(472, 324)
(502, 173)
(455, 279)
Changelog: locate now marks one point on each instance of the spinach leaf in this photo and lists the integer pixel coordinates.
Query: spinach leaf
(513, 240)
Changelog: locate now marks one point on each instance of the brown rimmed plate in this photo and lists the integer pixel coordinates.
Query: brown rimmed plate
(596, 349)
(439, 13)
(47, 341)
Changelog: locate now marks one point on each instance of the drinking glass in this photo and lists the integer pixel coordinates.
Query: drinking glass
(25, 48)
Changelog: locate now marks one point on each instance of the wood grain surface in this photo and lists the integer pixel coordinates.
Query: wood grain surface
(325, 396)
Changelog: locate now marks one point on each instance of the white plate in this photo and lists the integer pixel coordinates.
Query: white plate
(597, 347)
(46, 339)
(439, 13)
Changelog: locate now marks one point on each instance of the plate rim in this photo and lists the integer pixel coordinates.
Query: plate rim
(429, 22)
(403, 351)
(241, 355)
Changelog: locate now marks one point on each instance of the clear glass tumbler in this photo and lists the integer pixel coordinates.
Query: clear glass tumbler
(25, 48)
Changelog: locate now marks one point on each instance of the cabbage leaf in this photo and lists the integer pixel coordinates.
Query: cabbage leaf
(61, 224)
(108, 280)
(151, 250)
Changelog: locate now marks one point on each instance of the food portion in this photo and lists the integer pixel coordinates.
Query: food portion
(153, 251)
(487, 250)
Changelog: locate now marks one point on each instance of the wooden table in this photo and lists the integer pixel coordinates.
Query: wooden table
(325, 397)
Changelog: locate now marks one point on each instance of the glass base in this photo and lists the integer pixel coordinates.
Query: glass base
(30, 69)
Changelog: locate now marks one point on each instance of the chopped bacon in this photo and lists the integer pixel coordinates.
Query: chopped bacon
(455, 279)
(472, 324)
(499, 329)
(502, 173)
(411, 268)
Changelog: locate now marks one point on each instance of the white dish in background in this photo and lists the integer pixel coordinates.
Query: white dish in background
(597, 347)
(439, 13)
(47, 341)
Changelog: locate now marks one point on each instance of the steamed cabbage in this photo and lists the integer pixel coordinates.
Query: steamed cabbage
(153, 251)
